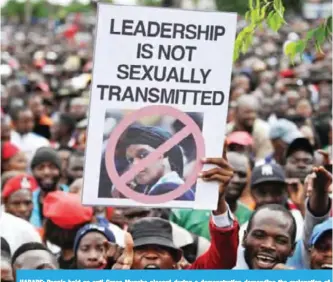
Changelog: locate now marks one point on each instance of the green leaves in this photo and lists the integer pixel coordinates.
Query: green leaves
(274, 21)
(243, 41)
(294, 48)
(316, 35)
(271, 12)
(290, 50)
(257, 15)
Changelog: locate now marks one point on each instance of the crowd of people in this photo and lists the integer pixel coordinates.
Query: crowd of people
(275, 182)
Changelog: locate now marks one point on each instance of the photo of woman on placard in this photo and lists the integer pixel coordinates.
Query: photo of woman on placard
(161, 177)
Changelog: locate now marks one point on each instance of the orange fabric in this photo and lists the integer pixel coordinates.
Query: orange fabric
(252, 207)
(41, 232)
(45, 120)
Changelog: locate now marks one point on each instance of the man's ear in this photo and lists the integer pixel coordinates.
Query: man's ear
(309, 250)
(293, 247)
(244, 238)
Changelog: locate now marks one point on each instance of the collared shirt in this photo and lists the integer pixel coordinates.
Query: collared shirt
(28, 143)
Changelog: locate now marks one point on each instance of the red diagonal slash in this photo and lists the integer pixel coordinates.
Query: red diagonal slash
(152, 157)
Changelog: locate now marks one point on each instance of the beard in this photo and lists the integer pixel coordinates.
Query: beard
(48, 187)
(248, 128)
(234, 192)
(70, 179)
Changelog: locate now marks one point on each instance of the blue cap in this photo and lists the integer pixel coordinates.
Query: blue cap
(285, 130)
(320, 229)
(104, 230)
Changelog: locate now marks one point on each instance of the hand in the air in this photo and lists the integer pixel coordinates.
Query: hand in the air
(222, 173)
(125, 260)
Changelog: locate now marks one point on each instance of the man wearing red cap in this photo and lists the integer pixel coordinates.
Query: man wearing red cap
(240, 142)
(17, 196)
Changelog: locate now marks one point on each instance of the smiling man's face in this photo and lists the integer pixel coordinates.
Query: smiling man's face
(321, 252)
(269, 239)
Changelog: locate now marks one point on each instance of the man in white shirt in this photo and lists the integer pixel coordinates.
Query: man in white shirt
(17, 231)
(22, 136)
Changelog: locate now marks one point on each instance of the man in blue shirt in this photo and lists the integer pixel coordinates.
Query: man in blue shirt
(46, 168)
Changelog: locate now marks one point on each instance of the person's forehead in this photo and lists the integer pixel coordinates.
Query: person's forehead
(93, 237)
(35, 99)
(326, 237)
(21, 194)
(76, 159)
(64, 153)
(238, 162)
(136, 147)
(301, 154)
(266, 218)
(33, 259)
(152, 246)
(247, 107)
(269, 186)
(46, 163)
(24, 113)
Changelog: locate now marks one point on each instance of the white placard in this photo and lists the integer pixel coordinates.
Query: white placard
(160, 76)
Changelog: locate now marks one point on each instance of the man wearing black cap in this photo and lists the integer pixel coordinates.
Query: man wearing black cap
(300, 159)
(269, 186)
(151, 245)
(46, 168)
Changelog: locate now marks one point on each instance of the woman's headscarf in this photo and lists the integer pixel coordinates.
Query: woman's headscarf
(155, 137)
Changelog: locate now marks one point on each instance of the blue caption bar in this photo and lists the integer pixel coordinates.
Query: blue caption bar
(174, 276)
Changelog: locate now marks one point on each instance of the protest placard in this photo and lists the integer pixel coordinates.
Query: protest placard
(159, 101)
